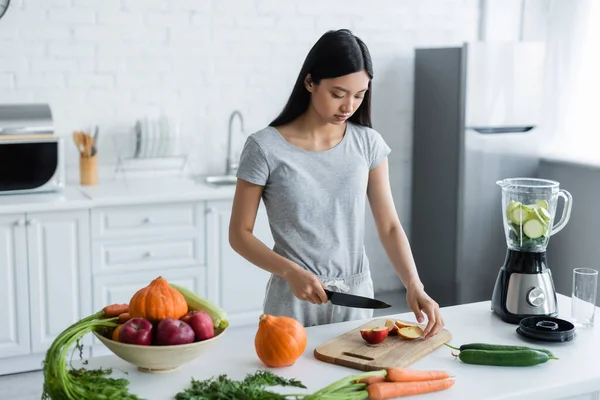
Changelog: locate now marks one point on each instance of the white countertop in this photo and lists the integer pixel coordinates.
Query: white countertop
(576, 371)
(115, 193)
(154, 190)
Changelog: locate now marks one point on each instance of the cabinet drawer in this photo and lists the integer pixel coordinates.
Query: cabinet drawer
(128, 221)
(159, 253)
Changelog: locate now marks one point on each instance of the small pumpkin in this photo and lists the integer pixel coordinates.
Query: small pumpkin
(157, 301)
(279, 340)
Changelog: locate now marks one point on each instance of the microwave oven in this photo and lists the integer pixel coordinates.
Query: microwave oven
(32, 158)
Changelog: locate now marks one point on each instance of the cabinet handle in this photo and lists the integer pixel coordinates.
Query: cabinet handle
(211, 210)
(30, 222)
(148, 254)
(148, 220)
(19, 222)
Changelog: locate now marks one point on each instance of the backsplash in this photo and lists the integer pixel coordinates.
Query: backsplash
(112, 62)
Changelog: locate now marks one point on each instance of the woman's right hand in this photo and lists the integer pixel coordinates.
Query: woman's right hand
(306, 286)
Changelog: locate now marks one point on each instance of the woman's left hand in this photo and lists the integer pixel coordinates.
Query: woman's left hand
(419, 303)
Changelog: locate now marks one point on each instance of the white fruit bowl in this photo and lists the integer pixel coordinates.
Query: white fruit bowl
(159, 359)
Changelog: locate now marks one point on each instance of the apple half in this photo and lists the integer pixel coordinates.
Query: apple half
(374, 335)
(410, 332)
(402, 324)
(392, 327)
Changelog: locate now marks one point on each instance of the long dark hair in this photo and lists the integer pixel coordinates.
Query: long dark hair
(336, 53)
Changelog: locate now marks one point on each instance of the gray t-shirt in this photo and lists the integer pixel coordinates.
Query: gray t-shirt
(315, 200)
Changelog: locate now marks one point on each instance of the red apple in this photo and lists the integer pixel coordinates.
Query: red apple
(171, 331)
(392, 328)
(136, 331)
(374, 335)
(201, 323)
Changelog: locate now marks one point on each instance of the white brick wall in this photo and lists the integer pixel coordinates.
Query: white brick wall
(113, 61)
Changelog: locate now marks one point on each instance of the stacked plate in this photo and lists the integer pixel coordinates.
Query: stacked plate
(156, 137)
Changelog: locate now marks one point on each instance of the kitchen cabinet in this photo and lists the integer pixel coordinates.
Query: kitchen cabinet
(59, 266)
(235, 284)
(134, 244)
(58, 249)
(14, 289)
(44, 278)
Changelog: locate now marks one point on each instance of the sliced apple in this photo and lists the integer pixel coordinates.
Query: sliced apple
(410, 332)
(392, 328)
(402, 324)
(374, 335)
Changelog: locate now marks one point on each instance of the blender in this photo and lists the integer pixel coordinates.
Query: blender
(524, 286)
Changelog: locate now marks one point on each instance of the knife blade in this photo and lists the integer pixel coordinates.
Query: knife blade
(351, 300)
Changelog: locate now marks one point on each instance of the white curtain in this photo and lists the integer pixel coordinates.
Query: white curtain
(571, 108)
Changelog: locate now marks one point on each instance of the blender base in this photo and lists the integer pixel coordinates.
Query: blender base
(524, 288)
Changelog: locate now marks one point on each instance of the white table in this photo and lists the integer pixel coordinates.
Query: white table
(576, 375)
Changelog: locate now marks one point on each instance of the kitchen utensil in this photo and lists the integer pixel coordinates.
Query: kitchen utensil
(524, 286)
(546, 329)
(351, 300)
(95, 141)
(78, 139)
(351, 350)
(583, 298)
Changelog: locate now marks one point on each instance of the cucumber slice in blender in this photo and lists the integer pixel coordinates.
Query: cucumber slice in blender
(542, 204)
(520, 214)
(511, 206)
(533, 228)
(544, 214)
(539, 216)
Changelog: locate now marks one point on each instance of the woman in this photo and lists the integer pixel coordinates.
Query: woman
(314, 166)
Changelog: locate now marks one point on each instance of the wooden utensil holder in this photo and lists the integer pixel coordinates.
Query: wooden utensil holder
(88, 170)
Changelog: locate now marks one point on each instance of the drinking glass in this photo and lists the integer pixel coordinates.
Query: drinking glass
(583, 298)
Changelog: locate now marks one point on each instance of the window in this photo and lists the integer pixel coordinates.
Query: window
(572, 102)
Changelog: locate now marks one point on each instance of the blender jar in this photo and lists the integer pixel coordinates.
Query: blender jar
(528, 211)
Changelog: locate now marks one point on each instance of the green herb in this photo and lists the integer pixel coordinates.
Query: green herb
(253, 387)
(79, 384)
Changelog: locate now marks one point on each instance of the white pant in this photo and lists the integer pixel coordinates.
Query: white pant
(280, 301)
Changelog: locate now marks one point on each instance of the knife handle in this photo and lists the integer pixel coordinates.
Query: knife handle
(329, 293)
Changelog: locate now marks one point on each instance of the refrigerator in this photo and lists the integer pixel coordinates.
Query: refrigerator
(477, 111)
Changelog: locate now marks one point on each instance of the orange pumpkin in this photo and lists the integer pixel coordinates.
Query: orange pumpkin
(279, 341)
(157, 301)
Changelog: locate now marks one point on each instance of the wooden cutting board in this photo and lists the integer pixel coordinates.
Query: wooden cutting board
(351, 350)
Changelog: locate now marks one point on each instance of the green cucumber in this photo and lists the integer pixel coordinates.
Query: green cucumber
(499, 347)
(542, 204)
(544, 214)
(518, 215)
(504, 358)
(533, 229)
(512, 205)
(540, 218)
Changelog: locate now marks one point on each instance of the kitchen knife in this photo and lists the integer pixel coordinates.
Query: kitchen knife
(351, 300)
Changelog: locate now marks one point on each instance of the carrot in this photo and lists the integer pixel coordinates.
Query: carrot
(391, 390)
(124, 317)
(372, 379)
(409, 375)
(114, 310)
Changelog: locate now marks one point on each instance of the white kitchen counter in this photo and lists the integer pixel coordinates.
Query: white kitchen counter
(69, 199)
(575, 373)
(141, 191)
(115, 193)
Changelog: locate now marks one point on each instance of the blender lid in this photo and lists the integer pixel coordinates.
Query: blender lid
(548, 329)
